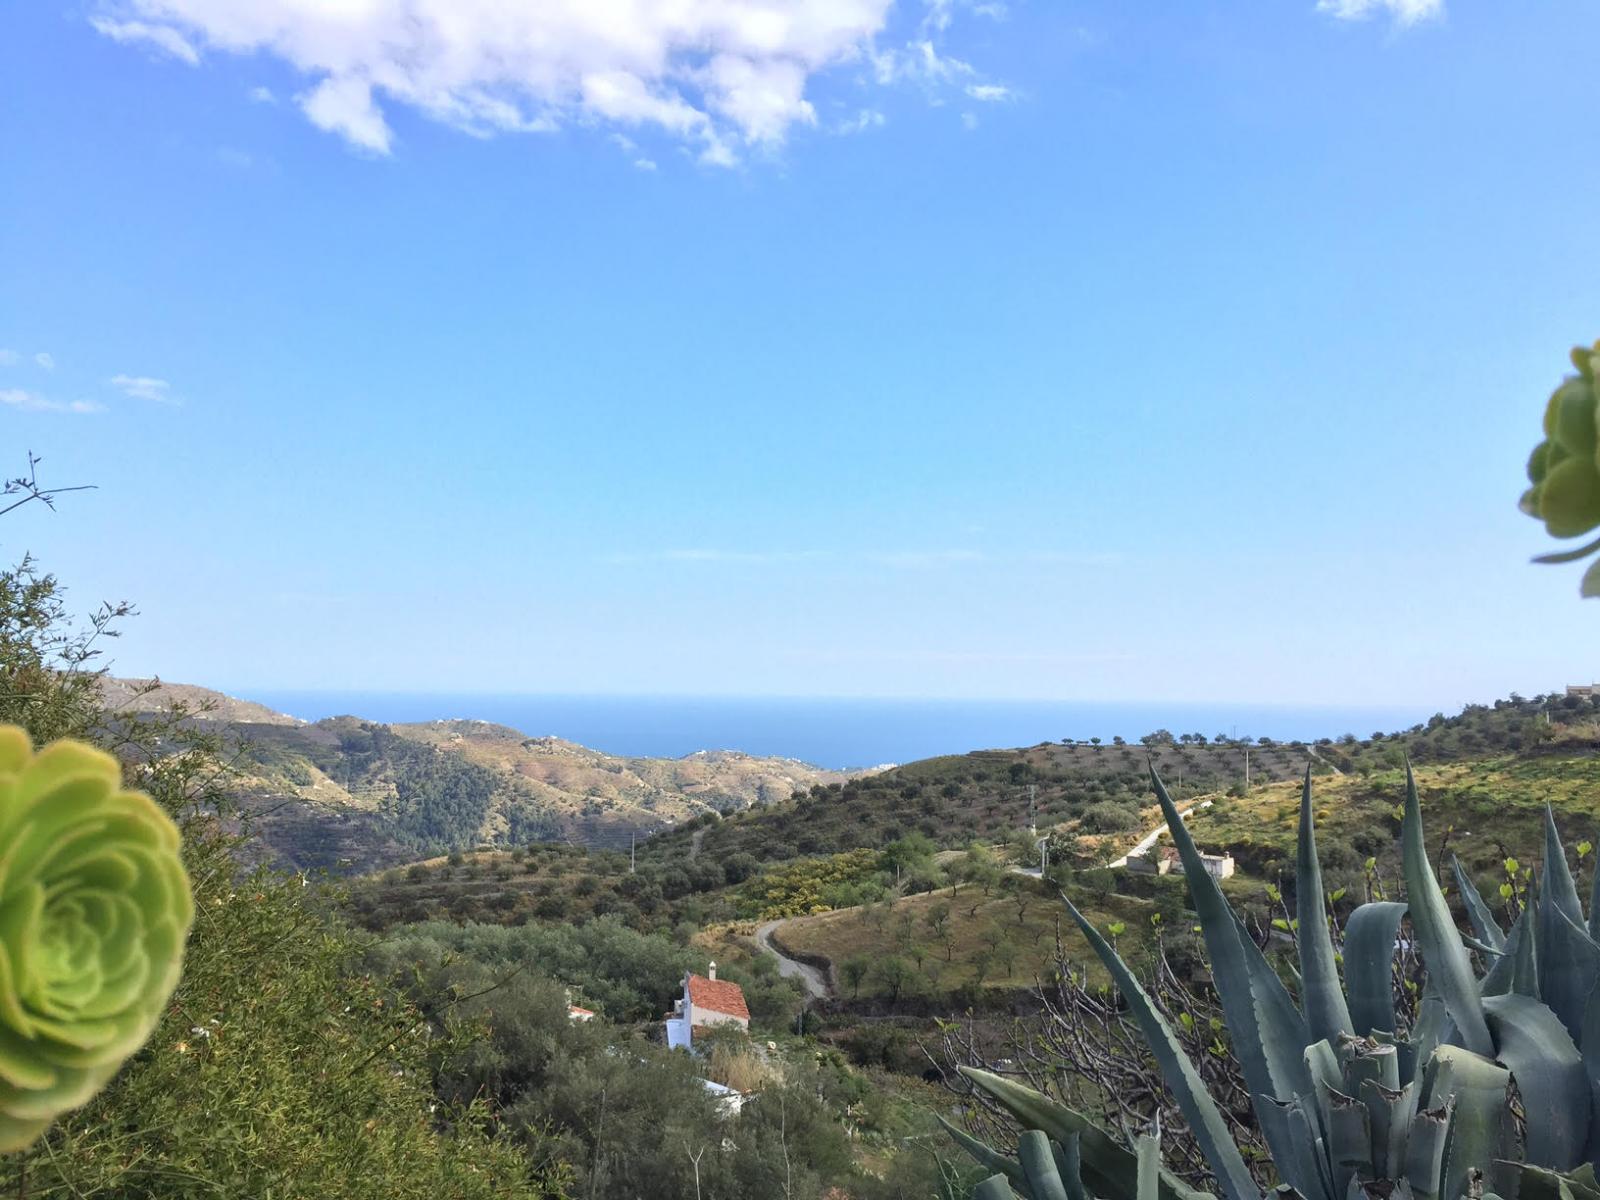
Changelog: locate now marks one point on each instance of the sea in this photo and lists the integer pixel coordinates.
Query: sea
(838, 734)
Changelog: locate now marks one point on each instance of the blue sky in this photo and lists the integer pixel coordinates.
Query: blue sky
(838, 347)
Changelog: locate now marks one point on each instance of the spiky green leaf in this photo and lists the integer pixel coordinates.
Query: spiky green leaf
(1449, 968)
(1532, 1043)
(984, 1155)
(994, 1188)
(1369, 938)
(1109, 1168)
(1039, 1165)
(1483, 922)
(1269, 1034)
(1481, 1129)
(1206, 1123)
(1149, 1153)
(1326, 1014)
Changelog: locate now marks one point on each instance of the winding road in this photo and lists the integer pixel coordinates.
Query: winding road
(815, 981)
(812, 979)
(1150, 839)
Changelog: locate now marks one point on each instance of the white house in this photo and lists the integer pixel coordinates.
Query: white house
(706, 1000)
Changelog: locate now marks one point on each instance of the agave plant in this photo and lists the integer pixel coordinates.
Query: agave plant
(1344, 1099)
(1046, 1169)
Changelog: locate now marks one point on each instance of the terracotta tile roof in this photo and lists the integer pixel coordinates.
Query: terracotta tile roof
(718, 995)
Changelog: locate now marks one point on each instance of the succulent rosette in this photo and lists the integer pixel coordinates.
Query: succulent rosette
(94, 911)
(1564, 469)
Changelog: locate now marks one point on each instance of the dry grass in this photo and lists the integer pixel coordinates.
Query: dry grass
(1020, 946)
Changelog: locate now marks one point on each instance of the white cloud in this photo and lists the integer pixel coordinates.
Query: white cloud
(34, 402)
(46, 361)
(715, 73)
(941, 13)
(969, 121)
(1405, 12)
(867, 118)
(162, 37)
(989, 93)
(343, 104)
(920, 62)
(9, 358)
(142, 387)
(644, 164)
(262, 95)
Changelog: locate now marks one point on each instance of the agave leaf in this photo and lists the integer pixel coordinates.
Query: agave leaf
(1350, 1138)
(985, 1155)
(1390, 1114)
(1039, 1165)
(1540, 1183)
(1549, 1073)
(1369, 937)
(1515, 961)
(1109, 1168)
(1483, 922)
(1480, 1130)
(1594, 906)
(1148, 1149)
(1302, 1162)
(1424, 1162)
(1372, 1061)
(1207, 1125)
(1442, 950)
(1525, 963)
(994, 1188)
(1269, 1034)
(1326, 1014)
(1590, 1050)
(1069, 1165)
(1568, 960)
(1323, 1064)
(1558, 886)
(1426, 1033)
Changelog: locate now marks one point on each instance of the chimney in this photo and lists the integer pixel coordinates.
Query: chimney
(711, 972)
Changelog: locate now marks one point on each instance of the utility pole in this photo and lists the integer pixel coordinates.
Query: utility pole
(1033, 820)
(1247, 768)
(1044, 856)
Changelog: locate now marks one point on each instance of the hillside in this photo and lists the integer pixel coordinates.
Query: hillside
(349, 794)
(1093, 791)
(891, 841)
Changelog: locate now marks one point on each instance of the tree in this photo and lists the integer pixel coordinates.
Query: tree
(938, 917)
(896, 975)
(853, 971)
(1019, 890)
(1006, 952)
(980, 868)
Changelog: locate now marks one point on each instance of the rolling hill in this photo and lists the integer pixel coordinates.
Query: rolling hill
(355, 795)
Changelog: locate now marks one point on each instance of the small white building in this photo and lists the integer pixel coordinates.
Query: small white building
(706, 1000)
(1158, 860)
(1218, 866)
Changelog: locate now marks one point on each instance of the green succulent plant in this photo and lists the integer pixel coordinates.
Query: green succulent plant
(1564, 469)
(95, 908)
(1348, 1105)
(1047, 1169)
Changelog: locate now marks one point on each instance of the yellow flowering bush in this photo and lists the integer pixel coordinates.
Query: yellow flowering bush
(95, 908)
